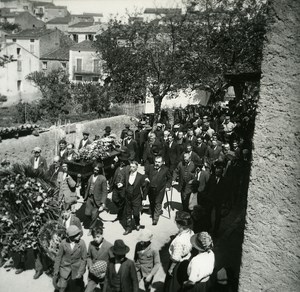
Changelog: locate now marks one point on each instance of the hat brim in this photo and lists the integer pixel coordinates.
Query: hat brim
(145, 238)
(195, 244)
(73, 234)
(120, 252)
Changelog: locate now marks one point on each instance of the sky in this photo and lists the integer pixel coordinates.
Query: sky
(109, 7)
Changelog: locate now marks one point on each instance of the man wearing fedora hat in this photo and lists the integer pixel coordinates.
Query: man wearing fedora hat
(38, 162)
(70, 262)
(85, 141)
(121, 273)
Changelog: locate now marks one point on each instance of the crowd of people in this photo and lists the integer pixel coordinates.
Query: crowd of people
(207, 159)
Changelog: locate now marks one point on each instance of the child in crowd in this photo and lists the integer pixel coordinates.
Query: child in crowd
(99, 250)
(70, 262)
(147, 260)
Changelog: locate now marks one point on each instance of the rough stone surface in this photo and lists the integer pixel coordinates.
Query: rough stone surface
(19, 150)
(271, 251)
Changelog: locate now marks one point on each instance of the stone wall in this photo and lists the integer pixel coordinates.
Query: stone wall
(271, 250)
(19, 150)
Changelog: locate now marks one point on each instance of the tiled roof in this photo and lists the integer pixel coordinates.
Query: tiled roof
(82, 24)
(162, 11)
(62, 54)
(59, 20)
(90, 29)
(40, 3)
(84, 46)
(32, 33)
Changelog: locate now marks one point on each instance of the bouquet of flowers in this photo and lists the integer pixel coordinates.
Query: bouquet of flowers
(27, 201)
(99, 149)
(50, 237)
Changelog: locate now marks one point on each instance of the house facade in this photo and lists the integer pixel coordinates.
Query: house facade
(82, 31)
(47, 10)
(13, 75)
(27, 47)
(85, 65)
(17, 5)
(39, 41)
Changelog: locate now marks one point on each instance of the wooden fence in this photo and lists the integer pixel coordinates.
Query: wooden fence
(130, 109)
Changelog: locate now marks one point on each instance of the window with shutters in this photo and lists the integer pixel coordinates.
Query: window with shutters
(78, 65)
(19, 66)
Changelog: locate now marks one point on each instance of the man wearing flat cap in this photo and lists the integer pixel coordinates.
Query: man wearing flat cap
(70, 262)
(131, 145)
(121, 273)
(38, 162)
(95, 195)
(85, 140)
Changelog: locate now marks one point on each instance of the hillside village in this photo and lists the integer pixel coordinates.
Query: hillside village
(41, 36)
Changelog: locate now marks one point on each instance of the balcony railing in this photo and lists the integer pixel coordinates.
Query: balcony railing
(92, 71)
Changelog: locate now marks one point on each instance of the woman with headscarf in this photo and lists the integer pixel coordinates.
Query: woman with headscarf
(201, 266)
(180, 253)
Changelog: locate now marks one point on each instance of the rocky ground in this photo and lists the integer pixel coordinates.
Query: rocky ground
(227, 246)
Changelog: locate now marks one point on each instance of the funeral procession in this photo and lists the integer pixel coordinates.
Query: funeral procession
(149, 146)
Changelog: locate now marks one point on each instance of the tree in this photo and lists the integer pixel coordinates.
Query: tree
(229, 39)
(140, 57)
(60, 97)
(193, 50)
(55, 88)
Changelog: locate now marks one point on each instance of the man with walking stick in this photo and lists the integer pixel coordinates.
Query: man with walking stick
(159, 179)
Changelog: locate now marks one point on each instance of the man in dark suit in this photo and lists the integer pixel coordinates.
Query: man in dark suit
(124, 132)
(95, 196)
(202, 176)
(159, 132)
(213, 152)
(217, 191)
(172, 153)
(190, 137)
(200, 147)
(121, 272)
(85, 141)
(159, 178)
(118, 190)
(131, 145)
(133, 182)
(62, 149)
(194, 156)
(37, 161)
(185, 172)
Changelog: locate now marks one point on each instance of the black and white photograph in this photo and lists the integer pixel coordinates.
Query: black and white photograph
(149, 145)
